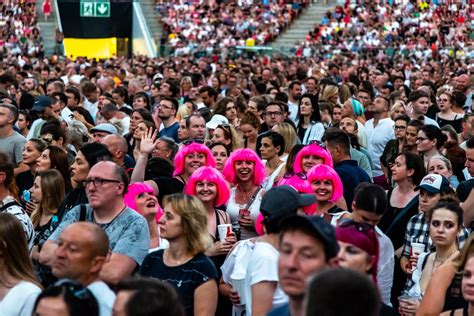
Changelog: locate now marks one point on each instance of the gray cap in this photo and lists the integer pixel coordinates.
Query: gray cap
(105, 127)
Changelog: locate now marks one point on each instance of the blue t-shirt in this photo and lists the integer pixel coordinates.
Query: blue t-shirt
(283, 310)
(171, 132)
(185, 278)
(128, 232)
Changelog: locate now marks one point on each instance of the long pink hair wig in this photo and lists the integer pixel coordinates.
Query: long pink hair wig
(325, 172)
(212, 175)
(244, 154)
(312, 149)
(136, 189)
(191, 149)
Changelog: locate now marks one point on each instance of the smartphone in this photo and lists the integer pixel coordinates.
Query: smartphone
(26, 196)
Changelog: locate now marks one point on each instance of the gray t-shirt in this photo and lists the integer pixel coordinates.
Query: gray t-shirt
(128, 232)
(13, 146)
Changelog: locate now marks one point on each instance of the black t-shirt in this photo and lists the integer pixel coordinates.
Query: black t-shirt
(185, 278)
(24, 181)
(167, 186)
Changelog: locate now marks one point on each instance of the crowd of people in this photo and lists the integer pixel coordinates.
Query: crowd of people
(19, 32)
(209, 25)
(386, 28)
(257, 185)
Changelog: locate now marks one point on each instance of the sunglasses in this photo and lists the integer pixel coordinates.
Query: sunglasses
(192, 141)
(318, 142)
(300, 175)
(360, 227)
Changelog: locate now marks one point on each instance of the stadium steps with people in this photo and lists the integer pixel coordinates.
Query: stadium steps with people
(47, 29)
(311, 16)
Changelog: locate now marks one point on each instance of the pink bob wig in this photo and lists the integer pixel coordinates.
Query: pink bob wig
(259, 225)
(324, 172)
(302, 186)
(312, 149)
(244, 154)
(212, 175)
(191, 149)
(135, 190)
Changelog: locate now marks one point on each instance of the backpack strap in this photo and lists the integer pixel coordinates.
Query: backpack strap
(7, 205)
(82, 215)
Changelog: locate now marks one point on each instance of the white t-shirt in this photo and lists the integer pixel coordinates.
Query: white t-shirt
(263, 267)
(105, 297)
(20, 300)
(377, 138)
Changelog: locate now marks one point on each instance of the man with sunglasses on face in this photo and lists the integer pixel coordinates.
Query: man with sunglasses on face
(127, 230)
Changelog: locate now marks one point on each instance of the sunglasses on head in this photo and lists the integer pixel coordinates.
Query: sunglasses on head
(360, 227)
(318, 142)
(300, 175)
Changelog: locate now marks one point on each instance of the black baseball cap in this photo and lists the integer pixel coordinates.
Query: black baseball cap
(321, 229)
(282, 201)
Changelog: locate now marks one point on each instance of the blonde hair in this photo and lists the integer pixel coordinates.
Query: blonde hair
(395, 107)
(289, 134)
(466, 252)
(52, 191)
(329, 92)
(193, 221)
(183, 112)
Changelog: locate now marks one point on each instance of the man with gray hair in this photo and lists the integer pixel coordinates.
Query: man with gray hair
(12, 143)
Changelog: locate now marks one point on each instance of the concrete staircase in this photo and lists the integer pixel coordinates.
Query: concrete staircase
(47, 29)
(301, 27)
(152, 19)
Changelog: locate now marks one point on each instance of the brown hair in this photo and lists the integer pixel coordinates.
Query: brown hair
(52, 191)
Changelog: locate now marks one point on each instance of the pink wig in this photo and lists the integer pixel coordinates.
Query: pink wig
(136, 189)
(324, 172)
(259, 225)
(312, 149)
(211, 175)
(302, 186)
(191, 149)
(244, 154)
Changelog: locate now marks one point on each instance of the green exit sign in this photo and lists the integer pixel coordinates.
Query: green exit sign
(95, 9)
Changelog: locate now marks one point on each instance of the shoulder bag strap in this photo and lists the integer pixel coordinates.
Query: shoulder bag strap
(82, 215)
(400, 215)
(252, 198)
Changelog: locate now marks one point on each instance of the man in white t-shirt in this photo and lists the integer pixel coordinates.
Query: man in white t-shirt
(82, 251)
(262, 291)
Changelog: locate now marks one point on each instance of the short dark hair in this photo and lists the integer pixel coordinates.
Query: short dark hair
(370, 198)
(361, 296)
(470, 143)
(281, 97)
(417, 94)
(143, 300)
(172, 100)
(188, 119)
(277, 140)
(55, 130)
(74, 91)
(414, 162)
(6, 166)
(433, 132)
(294, 83)
(335, 136)
(279, 104)
(210, 91)
(404, 118)
(13, 111)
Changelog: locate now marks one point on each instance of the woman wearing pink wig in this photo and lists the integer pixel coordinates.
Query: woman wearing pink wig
(327, 187)
(209, 186)
(141, 198)
(192, 155)
(245, 171)
(310, 156)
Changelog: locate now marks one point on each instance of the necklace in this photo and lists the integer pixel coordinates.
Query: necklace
(174, 262)
(441, 261)
(245, 195)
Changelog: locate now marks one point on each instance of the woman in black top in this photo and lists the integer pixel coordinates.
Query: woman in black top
(183, 264)
(32, 151)
(447, 115)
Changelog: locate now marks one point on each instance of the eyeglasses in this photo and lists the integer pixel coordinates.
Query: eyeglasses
(300, 175)
(318, 142)
(99, 182)
(274, 113)
(396, 127)
(421, 139)
(164, 106)
(191, 141)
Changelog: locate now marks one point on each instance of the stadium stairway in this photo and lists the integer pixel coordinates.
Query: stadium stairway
(152, 19)
(47, 28)
(301, 26)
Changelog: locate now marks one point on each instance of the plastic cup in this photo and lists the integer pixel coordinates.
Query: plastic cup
(417, 248)
(238, 283)
(224, 230)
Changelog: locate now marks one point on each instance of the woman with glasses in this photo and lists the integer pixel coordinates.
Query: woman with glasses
(445, 220)
(272, 146)
(32, 151)
(18, 285)
(141, 198)
(429, 142)
(68, 298)
(310, 156)
(184, 265)
(192, 155)
(227, 134)
(309, 120)
(447, 116)
(394, 146)
(246, 172)
(327, 187)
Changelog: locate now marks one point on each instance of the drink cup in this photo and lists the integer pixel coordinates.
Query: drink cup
(238, 283)
(244, 213)
(224, 230)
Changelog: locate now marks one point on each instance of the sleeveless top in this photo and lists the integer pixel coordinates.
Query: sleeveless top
(233, 209)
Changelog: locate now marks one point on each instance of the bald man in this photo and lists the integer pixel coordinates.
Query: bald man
(82, 251)
(117, 145)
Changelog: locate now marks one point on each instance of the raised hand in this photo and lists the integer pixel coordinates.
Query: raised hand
(148, 141)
